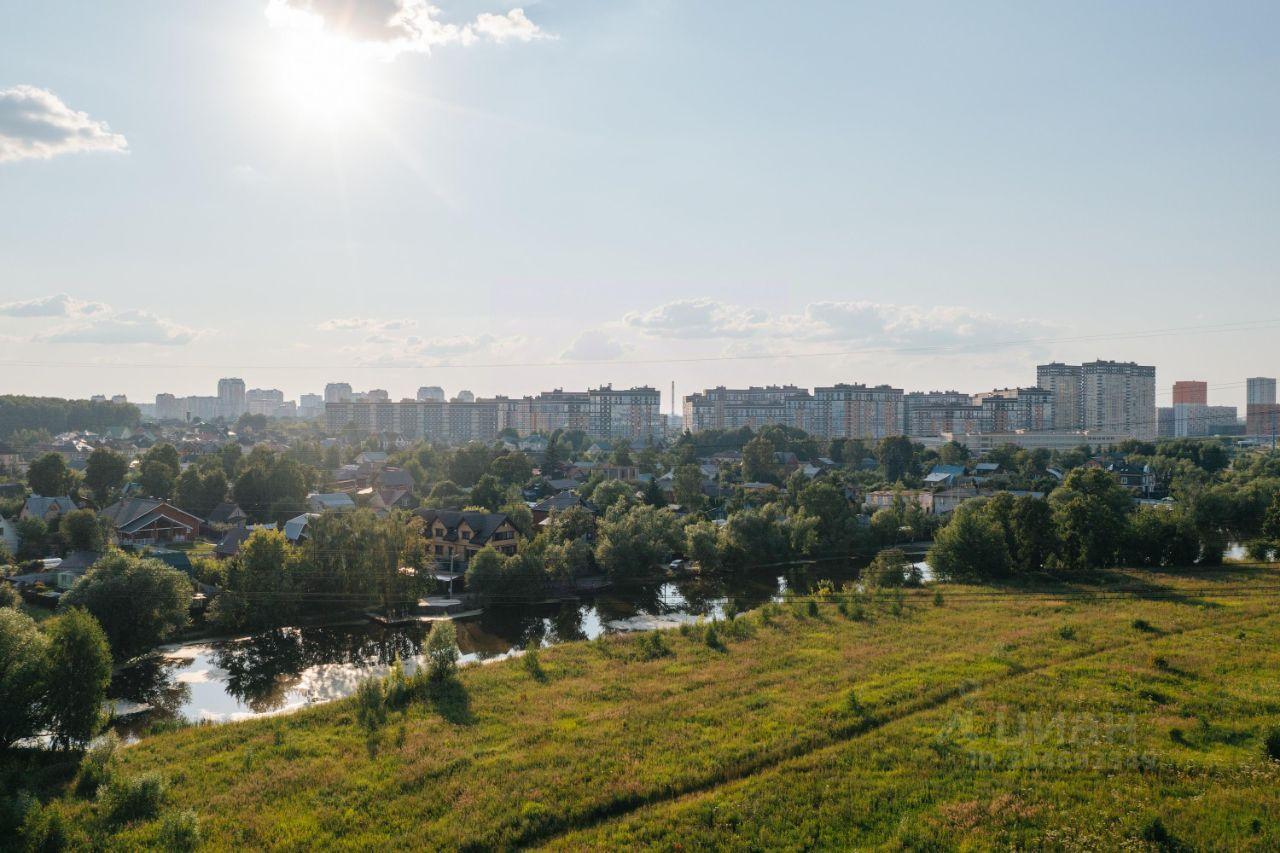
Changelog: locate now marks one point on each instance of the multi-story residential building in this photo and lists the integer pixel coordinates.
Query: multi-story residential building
(1191, 391)
(927, 413)
(231, 398)
(1014, 409)
(1064, 382)
(735, 408)
(1190, 420)
(858, 411)
(633, 414)
(1224, 420)
(1166, 422)
(559, 409)
(310, 406)
(1119, 397)
(432, 393)
(1261, 390)
(1263, 420)
(338, 392)
(168, 408)
(264, 401)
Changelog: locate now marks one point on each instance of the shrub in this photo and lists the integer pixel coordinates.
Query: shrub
(1272, 744)
(1066, 632)
(531, 662)
(371, 703)
(441, 651)
(135, 798)
(1159, 662)
(98, 765)
(652, 646)
(397, 689)
(43, 828)
(9, 596)
(712, 638)
(812, 607)
(180, 831)
(937, 598)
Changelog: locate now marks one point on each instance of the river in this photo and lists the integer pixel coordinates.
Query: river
(289, 668)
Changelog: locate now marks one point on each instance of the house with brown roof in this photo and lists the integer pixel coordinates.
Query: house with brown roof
(458, 536)
(147, 521)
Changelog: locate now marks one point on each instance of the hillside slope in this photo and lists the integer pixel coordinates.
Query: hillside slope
(1000, 716)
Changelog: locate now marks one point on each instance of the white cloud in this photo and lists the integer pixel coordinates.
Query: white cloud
(36, 124)
(391, 27)
(858, 323)
(58, 305)
(594, 345)
(513, 26)
(362, 324)
(120, 327)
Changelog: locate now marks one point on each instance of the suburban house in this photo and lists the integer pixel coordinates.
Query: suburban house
(331, 502)
(555, 503)
(1140, 481)
(147, 521)
(47, 509)
(229, 545)
(226, 514)
(945, 476)
(295, 529)
(459, 535)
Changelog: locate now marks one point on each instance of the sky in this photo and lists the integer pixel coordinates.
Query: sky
(508, 198)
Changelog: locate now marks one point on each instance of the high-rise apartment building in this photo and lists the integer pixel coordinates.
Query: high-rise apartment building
(431, 392)
(858, 411)
(1064, 382)
(1119, 396)
(338, 392)
(633, 414)
(231, 398)
(1191, 391)
(1261, 390)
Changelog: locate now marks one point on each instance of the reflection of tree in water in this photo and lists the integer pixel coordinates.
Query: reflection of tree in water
(566, 626)
(151, 680)
(262, 669)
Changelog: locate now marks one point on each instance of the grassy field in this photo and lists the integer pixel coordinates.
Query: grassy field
(1062, 717)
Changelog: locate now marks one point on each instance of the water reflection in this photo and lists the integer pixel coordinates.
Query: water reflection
(288, 668)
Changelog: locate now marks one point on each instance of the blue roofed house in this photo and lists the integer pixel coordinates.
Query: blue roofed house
(47, 508)
(944, 476)
(331, 502)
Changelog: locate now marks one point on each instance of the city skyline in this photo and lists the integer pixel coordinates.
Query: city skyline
(574, 184)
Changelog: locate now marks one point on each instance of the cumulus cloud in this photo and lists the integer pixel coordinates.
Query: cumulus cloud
(120, 327)
(58, 305)
(594, 345)
(36, 124)
(860, 323)
(391, 27)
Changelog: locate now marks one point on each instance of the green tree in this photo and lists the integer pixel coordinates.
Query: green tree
(953, 453)
(82, 530)
(157, 479)
(50, 476)
(139, 602)
(970, 547)
(836, 522)
(758, 465)
(570, 525)
(200, 489)
(702, 544)
(445, 495)
(612, 493)
(441, 651)
(896, 455)
(634, 540)
(1090, 513)
(488, 492)
(469, 463)
(891, 567)
(33, 534)
(687, 487)
(1034, 537)
(754, 536)
(23, 677)
(512, 469)
(622, 453)
(484, 572)
(104, 471)
(79, 671)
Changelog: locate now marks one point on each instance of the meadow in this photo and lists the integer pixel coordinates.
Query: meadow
(1134, 709)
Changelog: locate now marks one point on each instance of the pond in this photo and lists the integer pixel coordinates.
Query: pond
(289, 668)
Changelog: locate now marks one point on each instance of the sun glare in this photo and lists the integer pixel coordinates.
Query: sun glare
(325, 77)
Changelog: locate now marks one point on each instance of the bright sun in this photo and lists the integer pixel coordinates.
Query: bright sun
(325, 77)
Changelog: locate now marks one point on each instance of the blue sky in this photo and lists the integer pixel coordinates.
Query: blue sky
(838, 191)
